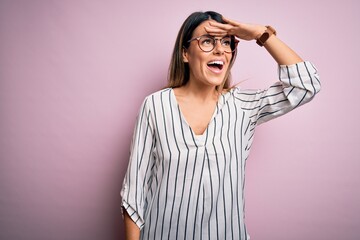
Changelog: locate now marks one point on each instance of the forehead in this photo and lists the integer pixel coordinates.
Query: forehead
(200, 30)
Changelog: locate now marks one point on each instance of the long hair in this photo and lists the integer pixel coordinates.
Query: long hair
(179, 72)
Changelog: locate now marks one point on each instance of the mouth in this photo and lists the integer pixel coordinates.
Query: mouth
(216, 65)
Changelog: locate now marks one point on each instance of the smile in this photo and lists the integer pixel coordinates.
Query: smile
(215, 66)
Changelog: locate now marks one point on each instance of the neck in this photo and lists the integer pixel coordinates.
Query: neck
(202, 93)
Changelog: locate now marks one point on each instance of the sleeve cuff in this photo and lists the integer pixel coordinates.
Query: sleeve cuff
(132, 213)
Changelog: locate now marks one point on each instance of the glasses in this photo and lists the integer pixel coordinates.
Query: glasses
(207, 43)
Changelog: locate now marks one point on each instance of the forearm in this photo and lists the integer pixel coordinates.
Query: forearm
(132, 231)
(282, 54)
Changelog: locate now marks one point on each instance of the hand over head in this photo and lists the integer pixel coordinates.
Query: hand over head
(243, 31)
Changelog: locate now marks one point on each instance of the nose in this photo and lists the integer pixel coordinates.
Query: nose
(218, 48)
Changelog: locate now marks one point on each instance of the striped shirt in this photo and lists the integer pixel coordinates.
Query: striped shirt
(185, 186)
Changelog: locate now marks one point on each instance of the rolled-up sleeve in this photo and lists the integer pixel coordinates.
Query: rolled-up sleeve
(298, 84)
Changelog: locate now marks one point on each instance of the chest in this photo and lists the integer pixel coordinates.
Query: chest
(198, 116)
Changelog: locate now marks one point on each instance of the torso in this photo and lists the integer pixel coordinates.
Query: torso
(192, 160)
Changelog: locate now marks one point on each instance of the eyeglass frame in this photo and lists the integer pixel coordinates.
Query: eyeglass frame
(236, 41)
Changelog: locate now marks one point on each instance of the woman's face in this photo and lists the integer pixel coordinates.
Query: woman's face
(206, 68)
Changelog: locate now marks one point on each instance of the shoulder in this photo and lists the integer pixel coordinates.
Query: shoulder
(158, 94)
(155, 98)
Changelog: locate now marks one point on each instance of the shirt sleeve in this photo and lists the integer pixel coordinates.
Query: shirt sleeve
(136, 190)
(298, 84)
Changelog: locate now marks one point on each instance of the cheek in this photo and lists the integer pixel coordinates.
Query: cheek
(197, 69)
(197, 63)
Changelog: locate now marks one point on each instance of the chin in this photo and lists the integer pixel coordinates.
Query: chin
(216, 81)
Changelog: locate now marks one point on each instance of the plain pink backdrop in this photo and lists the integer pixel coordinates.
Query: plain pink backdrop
(74, 73)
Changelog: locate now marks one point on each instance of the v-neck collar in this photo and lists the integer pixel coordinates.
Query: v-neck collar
(219, 105)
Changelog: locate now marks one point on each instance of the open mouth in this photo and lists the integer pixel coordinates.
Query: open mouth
(216, 65)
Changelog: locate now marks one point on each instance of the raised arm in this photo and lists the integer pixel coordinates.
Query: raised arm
(299, 80)
(282, 54)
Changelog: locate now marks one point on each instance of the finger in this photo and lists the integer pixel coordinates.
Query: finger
(222, 26)
(229, 21)
(216, 31)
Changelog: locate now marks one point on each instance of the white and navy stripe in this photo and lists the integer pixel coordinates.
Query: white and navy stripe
(183, 186)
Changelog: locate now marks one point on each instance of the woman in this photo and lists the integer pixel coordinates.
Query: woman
(185, 178)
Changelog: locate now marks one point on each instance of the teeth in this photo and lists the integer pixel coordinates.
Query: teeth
(217, 62)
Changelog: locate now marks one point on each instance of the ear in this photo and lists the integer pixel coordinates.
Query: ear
(185, 55)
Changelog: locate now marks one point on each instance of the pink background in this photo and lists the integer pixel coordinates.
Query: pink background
(73, 75)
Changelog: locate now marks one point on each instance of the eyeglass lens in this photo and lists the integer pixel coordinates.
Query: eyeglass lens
(207, 43)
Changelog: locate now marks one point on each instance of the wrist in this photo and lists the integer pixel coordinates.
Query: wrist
(265, 35)
(260, 31)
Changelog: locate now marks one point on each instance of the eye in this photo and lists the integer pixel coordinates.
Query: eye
(206, 41)
(226, 41)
